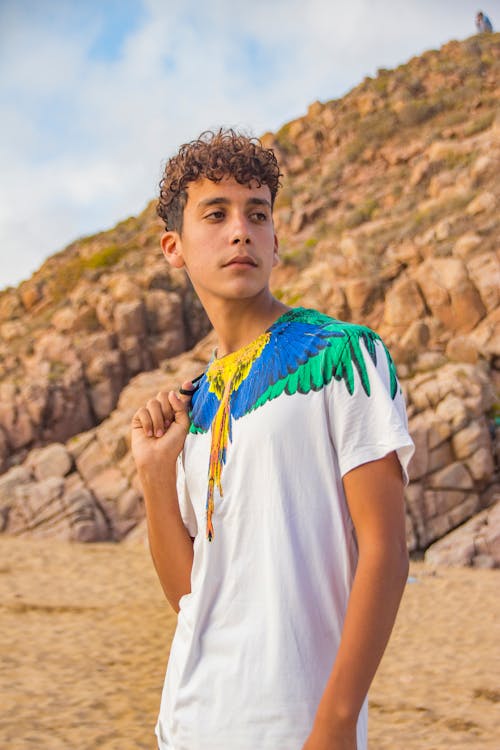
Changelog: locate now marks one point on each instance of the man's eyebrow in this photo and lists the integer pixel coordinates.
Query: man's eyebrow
(220, 200)
(212, 202)
(259, 202)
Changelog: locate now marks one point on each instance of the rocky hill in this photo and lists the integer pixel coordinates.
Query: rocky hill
(388, 216)
(94, 315)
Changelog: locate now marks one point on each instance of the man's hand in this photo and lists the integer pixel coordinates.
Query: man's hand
(159, 429)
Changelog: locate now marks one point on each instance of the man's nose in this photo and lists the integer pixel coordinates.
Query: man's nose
(240, 230)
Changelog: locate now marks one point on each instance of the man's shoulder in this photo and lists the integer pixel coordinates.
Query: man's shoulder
(302, 320)
(323, 350)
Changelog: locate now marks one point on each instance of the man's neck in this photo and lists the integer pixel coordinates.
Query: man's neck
(238, 322)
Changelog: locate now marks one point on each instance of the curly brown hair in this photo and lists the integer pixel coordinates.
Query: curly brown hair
(214, 156)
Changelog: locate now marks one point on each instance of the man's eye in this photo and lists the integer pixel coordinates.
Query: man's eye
(215, 215)
(259, 216)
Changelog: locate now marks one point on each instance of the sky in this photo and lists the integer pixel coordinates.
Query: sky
(95, 95)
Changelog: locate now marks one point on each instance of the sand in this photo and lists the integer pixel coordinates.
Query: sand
(85, 634)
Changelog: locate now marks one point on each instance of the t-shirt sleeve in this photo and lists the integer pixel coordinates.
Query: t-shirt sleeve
(185, 504)
(368, 427)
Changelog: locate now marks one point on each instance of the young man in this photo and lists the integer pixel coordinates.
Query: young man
(274, 496)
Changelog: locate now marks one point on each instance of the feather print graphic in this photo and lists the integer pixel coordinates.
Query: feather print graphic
(225, 377)
(301, 352)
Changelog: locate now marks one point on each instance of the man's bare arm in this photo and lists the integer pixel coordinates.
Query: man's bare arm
(374, 493)
(158, 433)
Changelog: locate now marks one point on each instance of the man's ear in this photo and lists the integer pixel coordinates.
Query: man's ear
(172, 249)
(276, 257)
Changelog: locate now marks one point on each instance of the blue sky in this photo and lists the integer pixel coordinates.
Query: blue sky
(95, 95)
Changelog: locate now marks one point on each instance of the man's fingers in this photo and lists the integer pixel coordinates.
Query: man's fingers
(180, 404)
(168, 412)
(186, 391)
(184, 396)
(157, 415)
(142, 420)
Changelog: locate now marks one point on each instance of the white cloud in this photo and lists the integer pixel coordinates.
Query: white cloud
(84, 136)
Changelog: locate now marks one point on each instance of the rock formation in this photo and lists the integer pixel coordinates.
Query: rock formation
(73, 335)
(387, 216)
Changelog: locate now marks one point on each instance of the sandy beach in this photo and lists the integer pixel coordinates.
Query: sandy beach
(86, 632)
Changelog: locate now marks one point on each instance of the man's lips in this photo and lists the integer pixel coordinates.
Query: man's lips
(241, 260)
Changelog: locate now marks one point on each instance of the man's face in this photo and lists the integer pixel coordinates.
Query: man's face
(227, 244)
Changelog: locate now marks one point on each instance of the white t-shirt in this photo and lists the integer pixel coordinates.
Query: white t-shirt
(275, 426)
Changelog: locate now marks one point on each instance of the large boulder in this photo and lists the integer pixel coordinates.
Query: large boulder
(43, 509)
(52, 461)
(476, 542)
(450, 294)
